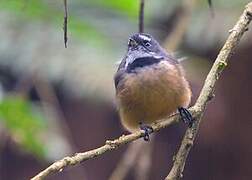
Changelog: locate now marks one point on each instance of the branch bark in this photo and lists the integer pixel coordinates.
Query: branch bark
(207, 91)
(197, 111)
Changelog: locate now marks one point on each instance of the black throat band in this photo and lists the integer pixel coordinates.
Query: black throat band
(142, 62)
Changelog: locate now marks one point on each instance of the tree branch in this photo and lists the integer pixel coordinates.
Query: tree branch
(108, 146)
(197, 112)
(208, 89)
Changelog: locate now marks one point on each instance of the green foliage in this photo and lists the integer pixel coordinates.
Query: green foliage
(24, 124)
(49, 11)
(40, 10)
(127, 7)
(33, 8)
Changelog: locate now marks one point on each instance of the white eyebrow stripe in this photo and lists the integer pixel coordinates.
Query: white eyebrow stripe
(144, 37)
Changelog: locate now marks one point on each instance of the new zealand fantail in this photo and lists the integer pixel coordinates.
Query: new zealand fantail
(150, 85)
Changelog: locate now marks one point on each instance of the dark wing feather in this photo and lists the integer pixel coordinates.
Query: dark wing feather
(120, 71)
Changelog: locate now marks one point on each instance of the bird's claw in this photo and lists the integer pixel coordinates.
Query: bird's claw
(186, 116)
(147, 131)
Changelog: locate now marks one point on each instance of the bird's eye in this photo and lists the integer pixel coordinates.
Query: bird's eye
(147, 43)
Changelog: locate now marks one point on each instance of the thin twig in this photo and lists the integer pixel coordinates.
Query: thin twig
(127, 161)
(141, 17)
(174, 38)
(197, 112)
(208, 89)
(144, 161)
(65, 23)
(130, 156)
(210, 3)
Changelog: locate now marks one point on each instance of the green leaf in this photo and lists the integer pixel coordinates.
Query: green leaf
(24, 124)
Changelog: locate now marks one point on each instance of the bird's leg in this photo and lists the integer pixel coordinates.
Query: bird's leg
(147, 131)
(186, 116)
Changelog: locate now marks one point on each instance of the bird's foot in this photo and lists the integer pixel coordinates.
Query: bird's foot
(186, 116)
(147, 131)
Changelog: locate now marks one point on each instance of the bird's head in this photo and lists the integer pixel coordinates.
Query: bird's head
(142, 43)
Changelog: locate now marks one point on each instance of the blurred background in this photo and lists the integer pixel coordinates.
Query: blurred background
(56, 101)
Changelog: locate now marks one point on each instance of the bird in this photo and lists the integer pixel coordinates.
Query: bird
(150, 85)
